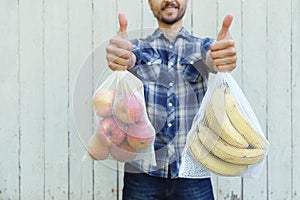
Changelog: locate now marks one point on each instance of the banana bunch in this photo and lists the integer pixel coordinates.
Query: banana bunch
(225, 142)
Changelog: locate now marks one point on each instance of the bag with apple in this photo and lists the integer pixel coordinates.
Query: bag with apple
(124, 132)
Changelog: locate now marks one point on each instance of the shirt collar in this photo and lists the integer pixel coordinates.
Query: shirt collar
(182, 33)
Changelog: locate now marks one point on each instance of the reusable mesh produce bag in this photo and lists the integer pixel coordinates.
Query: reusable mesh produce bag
(124, 132)
(225, 138)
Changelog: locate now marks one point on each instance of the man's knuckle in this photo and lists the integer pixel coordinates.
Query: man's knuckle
(126, 62)
(108, 48)
(112, 40)
(231, 42)
(233, 51)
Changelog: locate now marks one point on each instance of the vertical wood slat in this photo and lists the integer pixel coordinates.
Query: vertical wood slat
(279, 99)
(32, 100)
(134, 16)
(133, 12)
(295, 100)
(204, 25)
(9, 101)
(187, 19)
(56, 99)
(231, 187)
(80, 44)
(255, 80)
(149, 21)
(105, 173)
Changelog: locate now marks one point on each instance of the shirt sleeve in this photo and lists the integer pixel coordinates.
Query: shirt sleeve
(137, 51)
(144, 54)
(205, 47)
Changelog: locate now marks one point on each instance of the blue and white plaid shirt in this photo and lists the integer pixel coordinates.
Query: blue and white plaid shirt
(174, 75)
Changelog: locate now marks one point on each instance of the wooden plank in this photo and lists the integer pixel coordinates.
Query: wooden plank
(80, 91)
(9, 101)
(231, 187)
(149, 21)
(134, 13)
(56, 99)
(279, 99)
(295, 100)
(105, 21)
(204, 25)
(32, 99)
(224, 8)
(254, 52)
(105, 172)
(187, 19)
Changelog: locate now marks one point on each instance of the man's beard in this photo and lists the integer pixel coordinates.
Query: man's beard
(181, 13)
(172, 21)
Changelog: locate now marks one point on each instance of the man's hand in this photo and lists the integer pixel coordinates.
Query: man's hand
(222, 54)
(118, 51)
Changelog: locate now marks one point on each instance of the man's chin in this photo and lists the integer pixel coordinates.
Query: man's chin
(169, 21)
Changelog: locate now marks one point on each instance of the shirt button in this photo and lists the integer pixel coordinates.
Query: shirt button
(169, 124)
(148, 63)
(171, 63)
(170, 104)
(171, 47)
(171, 84)
(192, 62)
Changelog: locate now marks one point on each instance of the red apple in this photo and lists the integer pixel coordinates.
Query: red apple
(123, 153)
(97, 149)
(103, 101)
(140, 135)
(111, 132)
(128, 108)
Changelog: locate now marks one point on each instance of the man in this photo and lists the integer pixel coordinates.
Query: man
(174, 67)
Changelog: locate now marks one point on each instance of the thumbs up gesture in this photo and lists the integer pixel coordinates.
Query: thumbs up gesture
(222, 53)
(118, 50)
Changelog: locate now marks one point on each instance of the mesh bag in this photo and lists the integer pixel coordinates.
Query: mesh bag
(225, 138)
(124, 132)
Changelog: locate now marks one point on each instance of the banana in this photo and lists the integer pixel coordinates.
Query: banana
(239, 121)
(213, 163)
(218, 121)
(227, 152)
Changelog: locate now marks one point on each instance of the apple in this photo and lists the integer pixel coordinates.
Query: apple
(140, 135)
(97, 149)
(128, 108)
(111, 132)
(103, 101)
(123, 153)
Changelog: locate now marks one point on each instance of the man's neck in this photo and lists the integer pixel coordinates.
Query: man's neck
(172, 30)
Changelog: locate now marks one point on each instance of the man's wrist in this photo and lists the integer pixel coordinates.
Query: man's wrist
(132, 61)
(209, 62)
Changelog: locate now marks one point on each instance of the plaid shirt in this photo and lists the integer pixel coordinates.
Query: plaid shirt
(174, 75)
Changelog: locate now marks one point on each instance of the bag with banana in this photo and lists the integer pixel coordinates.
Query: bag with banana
(225, 138)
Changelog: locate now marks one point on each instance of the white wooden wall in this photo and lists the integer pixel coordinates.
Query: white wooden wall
(44, 42)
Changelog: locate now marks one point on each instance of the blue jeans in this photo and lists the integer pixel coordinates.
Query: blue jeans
(140, 186)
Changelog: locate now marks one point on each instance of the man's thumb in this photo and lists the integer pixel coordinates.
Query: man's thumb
(122, 22)
(224, 32)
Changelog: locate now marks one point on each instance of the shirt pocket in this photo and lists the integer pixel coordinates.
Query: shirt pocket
(149, 71)
(190, 67)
